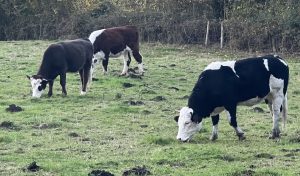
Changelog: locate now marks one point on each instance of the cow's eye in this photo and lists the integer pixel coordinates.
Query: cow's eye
(186, 123)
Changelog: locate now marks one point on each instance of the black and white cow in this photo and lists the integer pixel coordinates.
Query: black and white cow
(225, 85)
(114, 42)
(60, 58)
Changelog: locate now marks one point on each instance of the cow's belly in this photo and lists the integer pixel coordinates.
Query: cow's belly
(251, 102)
(101, 56)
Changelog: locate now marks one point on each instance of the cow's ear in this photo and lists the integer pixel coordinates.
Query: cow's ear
(28, 77)
(196, 118)
(176, 118)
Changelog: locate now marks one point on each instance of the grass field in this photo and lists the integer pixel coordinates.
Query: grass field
(105, 130)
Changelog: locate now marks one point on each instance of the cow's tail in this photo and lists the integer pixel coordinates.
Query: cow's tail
(284, 110)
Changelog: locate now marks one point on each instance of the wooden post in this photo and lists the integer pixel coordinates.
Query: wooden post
(207, 33)
(222, 35)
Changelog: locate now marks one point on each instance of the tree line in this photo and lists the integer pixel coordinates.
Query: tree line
(265, 25)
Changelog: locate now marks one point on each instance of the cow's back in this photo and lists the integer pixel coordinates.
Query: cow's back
(69, 55)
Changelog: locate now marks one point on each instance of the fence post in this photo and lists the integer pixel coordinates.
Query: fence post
(207, 33)
(222, 35)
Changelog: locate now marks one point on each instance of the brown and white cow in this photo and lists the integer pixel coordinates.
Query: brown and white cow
(60, 58)
(114, 42)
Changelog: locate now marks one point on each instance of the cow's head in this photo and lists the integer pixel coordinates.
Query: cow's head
(38, 84)
(188, 124)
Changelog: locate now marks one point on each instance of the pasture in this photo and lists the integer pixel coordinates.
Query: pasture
(126, 122)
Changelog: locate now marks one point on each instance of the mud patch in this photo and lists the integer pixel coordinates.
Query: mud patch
(14, 108)
(158, 98)
(143, 126)
(146, 112)
(264, 155)
(291, 150)
(9, 125)
(243, 173)
(100, 173)
(137, 171)
(258, 110)
(33, 167)
(174, 88)
(171, 163)
(127, 85)
(134, 103)
(73, 134)
(134, 76)
(47, 126)
(295, 139)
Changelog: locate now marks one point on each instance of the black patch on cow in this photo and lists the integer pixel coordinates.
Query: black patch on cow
(137, 171)
(14, 108)
(33, 167)
(176, 118)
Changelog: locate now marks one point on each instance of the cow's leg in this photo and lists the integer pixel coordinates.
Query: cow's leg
(63, 83)
(278, 98)
(50, 92)
(137, 56)
(233, 122)
(86, 77)
(81, 76)
(105, 63)
(215, 121)
(127, 60)
(269, 100)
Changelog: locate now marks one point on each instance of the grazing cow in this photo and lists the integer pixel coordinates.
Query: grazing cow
(60, 58)
(224, 85)
(113, 42)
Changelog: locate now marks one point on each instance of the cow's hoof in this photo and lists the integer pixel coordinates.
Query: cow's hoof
(124, 74)
(275, 134)
(241, 136)
(82, 93)
(213, 137)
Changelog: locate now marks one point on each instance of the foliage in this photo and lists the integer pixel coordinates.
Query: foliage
(266, 25)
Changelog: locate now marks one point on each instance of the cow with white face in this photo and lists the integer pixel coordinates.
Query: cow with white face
(115, 42)
(225, 85)
(60, 58)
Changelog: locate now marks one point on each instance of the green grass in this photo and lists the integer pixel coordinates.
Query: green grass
(76, 134)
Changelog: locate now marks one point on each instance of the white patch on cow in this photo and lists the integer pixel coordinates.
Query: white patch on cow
(99, 56)
(238, 130)
(125, 60)
(217, 111)
(35, 84)
(278, 98)
(214, 134)
(266, 64)
(282, 61)
(141, 68)
(217, 66)
(94, 35)
(187, 128)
